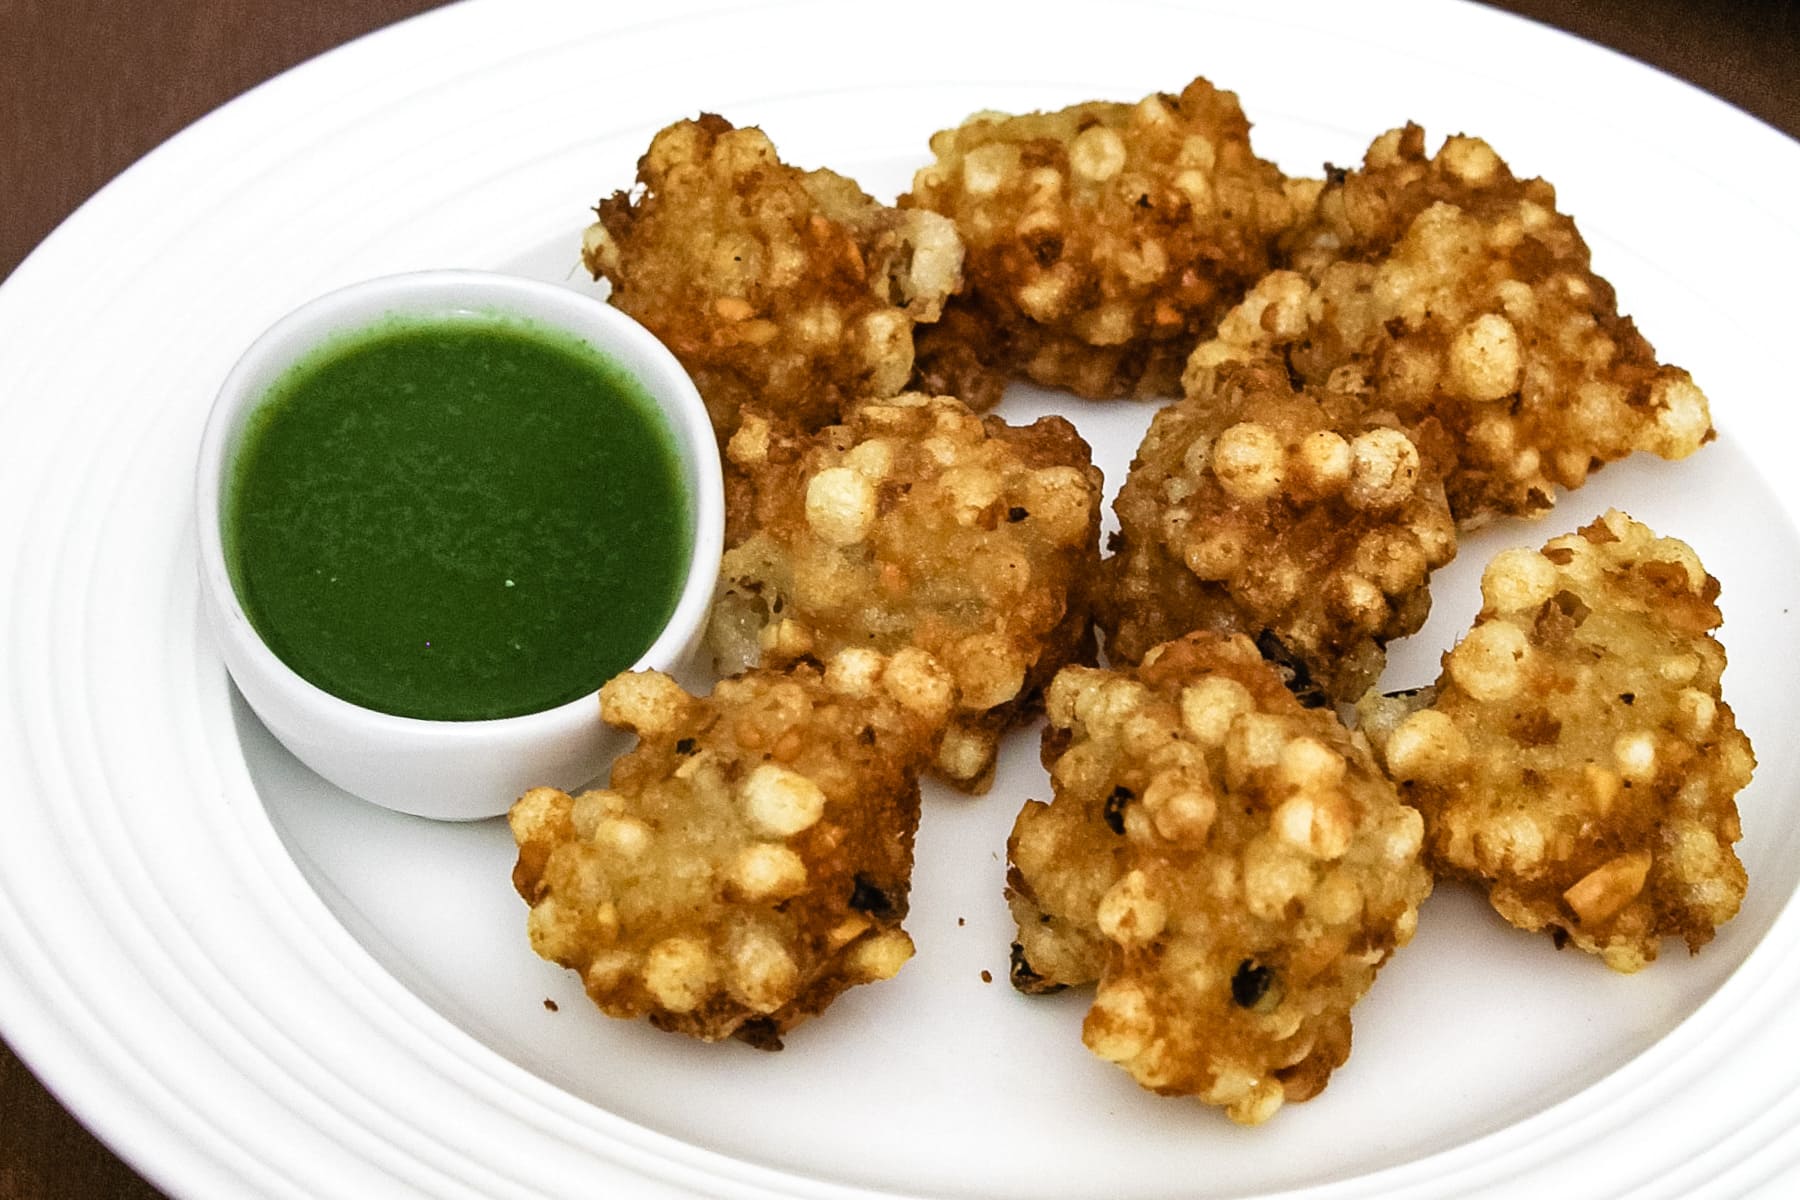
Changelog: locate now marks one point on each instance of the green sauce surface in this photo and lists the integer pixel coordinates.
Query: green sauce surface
(457, 518)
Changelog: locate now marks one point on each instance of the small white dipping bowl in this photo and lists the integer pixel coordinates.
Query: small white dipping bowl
(449, 770)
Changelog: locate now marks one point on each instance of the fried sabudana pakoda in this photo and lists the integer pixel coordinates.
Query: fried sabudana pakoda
(917, 523)
(1455, 296)
(1102, 240)
(751, 857)
(1293, 516)
(785, 293)
(1231, 867)
(1575, 758)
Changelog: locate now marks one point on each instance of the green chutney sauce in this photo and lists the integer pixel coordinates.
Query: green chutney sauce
(457, 519)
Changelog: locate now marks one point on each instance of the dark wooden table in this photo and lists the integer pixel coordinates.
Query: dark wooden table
(89, 86)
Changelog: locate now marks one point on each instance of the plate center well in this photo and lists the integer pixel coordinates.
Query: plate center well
(941, 1082)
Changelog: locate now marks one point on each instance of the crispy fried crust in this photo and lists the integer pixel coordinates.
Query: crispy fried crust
(1575, 758)
(917, 523)
(751, 858)
(1103, 239)
(1448, 290)
(786, 293)
(1230, 866)
(1256, 508)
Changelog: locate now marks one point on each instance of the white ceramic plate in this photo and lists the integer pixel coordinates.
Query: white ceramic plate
(251, 984)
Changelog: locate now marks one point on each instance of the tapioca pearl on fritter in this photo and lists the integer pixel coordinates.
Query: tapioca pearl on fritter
(840, 506)
(1321, 464)
(1384, 469)
(781, 802)
(648, 703)
(1130, 913)
(880, 957)
(1489, 664)
(680, 972)
(1210, 706)
(1248, 460)
(1182, 806)
(1485, 359)
(759, 972)
(1518, 581)
(1426, 746)
(966, 752)
(767, 871)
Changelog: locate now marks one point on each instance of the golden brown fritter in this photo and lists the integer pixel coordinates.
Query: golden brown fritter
(1294, 517)
(917, 523)
(786, 293)
(1575, 758)
(1103, 239)
(750, 858)
(1230, 866)
(1447, 289)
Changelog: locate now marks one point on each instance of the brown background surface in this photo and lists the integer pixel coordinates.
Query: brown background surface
(88, 86)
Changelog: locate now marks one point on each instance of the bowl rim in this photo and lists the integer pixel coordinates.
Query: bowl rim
(448, 292)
